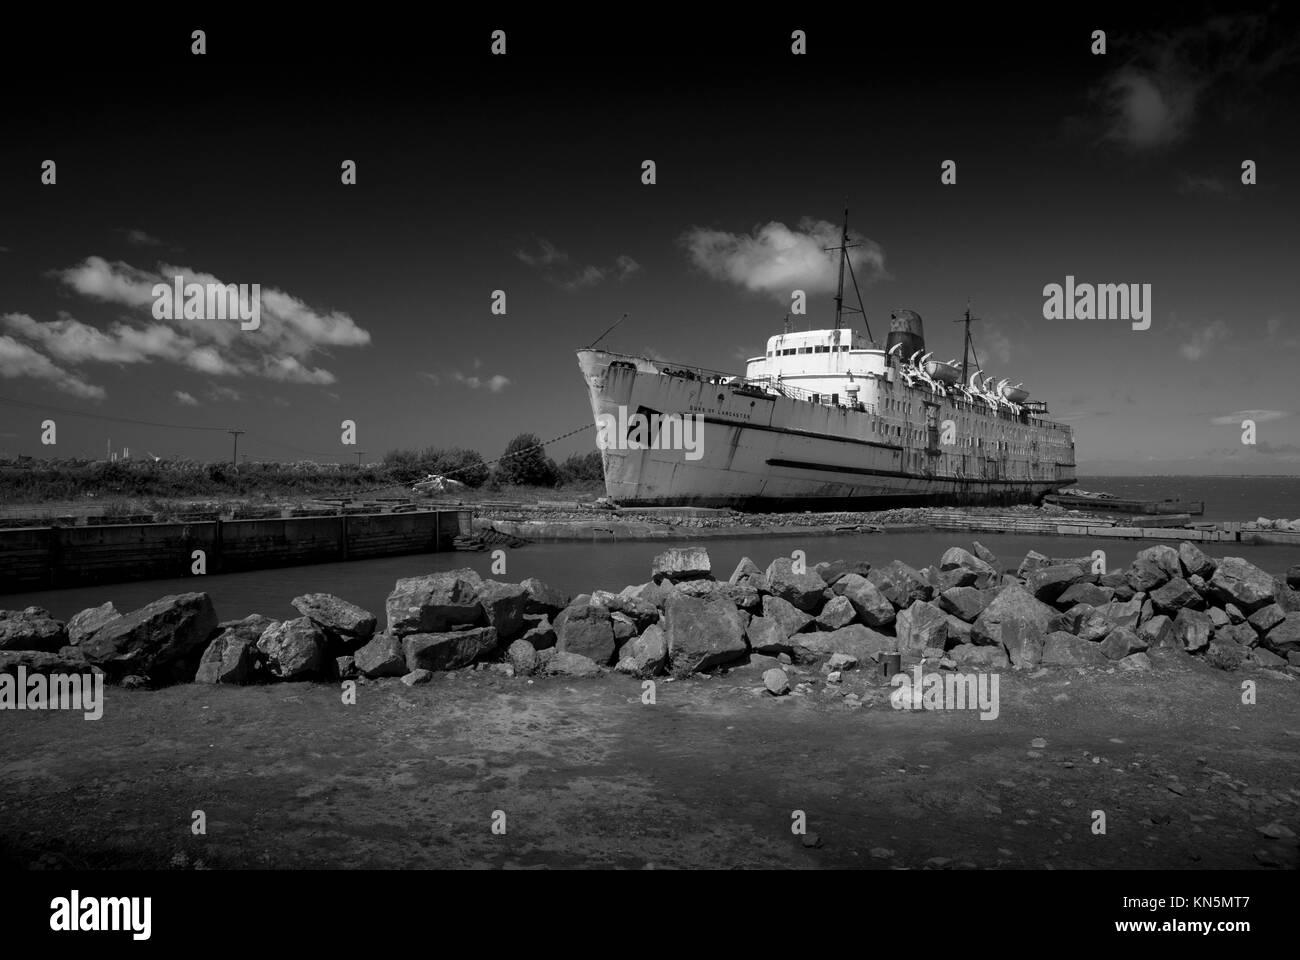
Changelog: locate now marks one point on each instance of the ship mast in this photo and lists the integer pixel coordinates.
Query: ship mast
(967, 345)
(843, 248)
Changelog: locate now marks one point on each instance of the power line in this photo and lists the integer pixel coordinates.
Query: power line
(103, 416)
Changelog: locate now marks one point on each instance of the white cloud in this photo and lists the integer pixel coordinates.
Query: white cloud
(495, 383)
(185, 398)
(18, 360)
(776, 260)
(558, 268)
(1259, 416)
(1200, 340)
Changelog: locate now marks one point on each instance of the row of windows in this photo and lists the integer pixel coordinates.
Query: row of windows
(794, 350)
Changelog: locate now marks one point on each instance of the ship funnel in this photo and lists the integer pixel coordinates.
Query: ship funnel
(905, 328)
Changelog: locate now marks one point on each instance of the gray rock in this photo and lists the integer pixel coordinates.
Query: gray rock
(833, 571)
(955, 557)
(702, 634)
(837, 613)
(1284, 638)
(434, 603)
(448, 651)
(1121, 642)
(965, 603)
(1237, 581)
(572, 665)
(417, 676)
(229, 658)
(682, 563)
(163, 640)
(870, 605)
(1061, 649)
(85, 623)
(1049, 582)
(1267, 658)
(1266, 618)
(1137, 663)
(987, 555)
(345, 668)
(1158, 632)
(1219, 617)
(1293, 576)
(1195, 562)
(589, 632)
(523, 657)
(68, 659)
(541, 597)
(920, 626)
(768, 635)
(1234, 614)
(1192, 629)
(745, 571)
(700, 589)
(504, 605)
(979, 655)
(1154, 567)
(786, 614)
(338, 618)
(381, 657)
(1123, 613)
(901, 584)
(31, 629)
(1012, 601)
(1174, 595)
(1023, 640)
(856, 640)
(644, 656)
(776, 682)
(541, 635)
(1225, 654)
(294, 649)
(1093, 594)
(801, 590)
(1033, 560)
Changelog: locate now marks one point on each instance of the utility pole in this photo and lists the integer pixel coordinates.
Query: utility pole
(234, 456)
(360, 454)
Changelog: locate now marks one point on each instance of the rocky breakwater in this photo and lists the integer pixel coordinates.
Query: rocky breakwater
(967, 611)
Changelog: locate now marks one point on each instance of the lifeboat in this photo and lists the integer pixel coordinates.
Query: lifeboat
(943, 372)
(1016, 394)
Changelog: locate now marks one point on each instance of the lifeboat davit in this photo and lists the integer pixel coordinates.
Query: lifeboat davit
(943, 372)
(1016, 394)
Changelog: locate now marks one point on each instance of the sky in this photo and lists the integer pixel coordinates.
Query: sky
(523, 173)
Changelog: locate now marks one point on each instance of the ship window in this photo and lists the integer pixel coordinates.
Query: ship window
(817, 398)
(823, 349)
(835, 398)
(803, 349)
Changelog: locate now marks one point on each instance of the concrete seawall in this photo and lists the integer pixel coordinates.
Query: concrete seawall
(33, 558)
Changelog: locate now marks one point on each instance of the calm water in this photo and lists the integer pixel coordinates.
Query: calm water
(1226, 498)
(578, 568)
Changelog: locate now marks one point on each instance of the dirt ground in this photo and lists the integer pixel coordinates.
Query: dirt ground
(708, 776)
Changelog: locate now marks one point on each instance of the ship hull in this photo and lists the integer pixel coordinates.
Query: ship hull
(774, 453)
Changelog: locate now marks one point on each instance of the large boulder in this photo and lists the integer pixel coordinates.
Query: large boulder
(644, 656)
(920, 627)
(571, 665)
(1195, 562)
(1023, 640)
(434, 603)
(837, 613)
(504, 605)
(522, 656)
(979, 656)
(1086, 623)
(31, 629)
(1175, 595)
(1047, 583)
(703, 633)
(682, 563)
(1011, 601)
(833, 571)
(381, 657)
(768, 635)
(801, 590)
(1123, 613)
(1093, 594)
(955, 557)
(966, 603)
(1293, 576)
(1121, 642)
(1284, 638)
(341, 620)
(589, 632)
(901, 584)
(855, 639)
(67, 660)
(541, 597)
(540, 632)
(1192, 629)
(1266, 618)
(1033, 560)
(791, 619)
(1158, 632)
(1242, 583)
(294, 649)
(163, 640)
(85, 623)
(869, 604)
(985, 554)
(1060, 649)
(449, 650)
(1153, 567)
(230, 658)
(1225, 653)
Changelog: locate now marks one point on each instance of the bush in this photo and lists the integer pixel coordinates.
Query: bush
(525, 463)
(583, 470)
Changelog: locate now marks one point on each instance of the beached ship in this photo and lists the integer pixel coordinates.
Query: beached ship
(825, 419)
